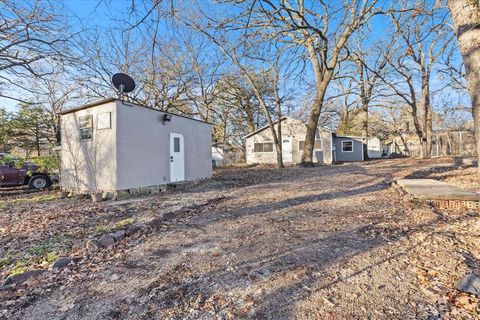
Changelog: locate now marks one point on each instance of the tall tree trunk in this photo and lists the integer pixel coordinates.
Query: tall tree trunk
(250, 120)
(312, 126)
(426, 113)
(429, 132)
(56, 128)
(466, 17)
(278, 106)
(365, 95)
(322, 80)
(419, 133)
(364, 116)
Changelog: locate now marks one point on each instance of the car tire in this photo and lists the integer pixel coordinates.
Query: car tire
(39, 182)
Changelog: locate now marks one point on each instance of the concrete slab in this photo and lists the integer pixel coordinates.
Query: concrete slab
(428, 189)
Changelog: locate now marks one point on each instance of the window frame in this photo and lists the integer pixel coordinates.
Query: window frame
(176, 145)
(263, 147)
(343, 147)
(81, 128)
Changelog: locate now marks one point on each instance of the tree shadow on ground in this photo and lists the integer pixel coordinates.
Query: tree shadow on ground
(242, 177)
(310, 258)
(433, 172)
(299, 258)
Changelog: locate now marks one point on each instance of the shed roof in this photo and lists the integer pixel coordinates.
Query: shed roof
(347, 136)
(108, 100)
(275, 122)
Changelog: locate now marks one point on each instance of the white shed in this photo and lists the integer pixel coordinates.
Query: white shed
(259, 146)
(114, 145)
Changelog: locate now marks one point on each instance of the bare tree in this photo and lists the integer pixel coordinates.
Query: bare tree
(370, 65)
(422, 39)
(240, 53)
(323, 30)
(33, 38)
(466, 17)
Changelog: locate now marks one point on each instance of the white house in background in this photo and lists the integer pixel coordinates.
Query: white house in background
(113, 145)
(259, 145)
(329, 147)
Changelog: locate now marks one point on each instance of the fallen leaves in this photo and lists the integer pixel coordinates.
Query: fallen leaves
(256, 243)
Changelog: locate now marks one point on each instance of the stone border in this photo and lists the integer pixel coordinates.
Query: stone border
(142, 191)
(455, 204)
(134, 192)
(440, 204)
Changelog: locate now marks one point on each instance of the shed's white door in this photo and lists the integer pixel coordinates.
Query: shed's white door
(287, 150)
(177, 158)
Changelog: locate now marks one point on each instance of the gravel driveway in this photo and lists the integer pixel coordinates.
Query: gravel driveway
(330, 242)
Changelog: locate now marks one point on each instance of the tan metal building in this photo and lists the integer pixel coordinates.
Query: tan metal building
(113, 145)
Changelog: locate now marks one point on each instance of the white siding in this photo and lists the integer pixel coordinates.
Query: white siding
(295, 131)
(88, 165)
(143, 147)
(133, 153)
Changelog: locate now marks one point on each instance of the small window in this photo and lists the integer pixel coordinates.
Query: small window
(268, 147)
(347, 146)
(263, 147)
(86, 127)
(176, 144)
(316, 146)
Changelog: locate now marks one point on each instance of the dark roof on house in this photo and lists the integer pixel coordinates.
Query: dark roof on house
(347, 136)
(108, 100)
(275, 122)
(88, 105)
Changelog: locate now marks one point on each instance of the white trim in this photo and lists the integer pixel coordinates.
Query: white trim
(273, 147)
(177, 158)
(331, 148)
(343, 141)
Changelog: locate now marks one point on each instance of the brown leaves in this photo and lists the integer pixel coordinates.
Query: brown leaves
(464, 301)
(214, 302)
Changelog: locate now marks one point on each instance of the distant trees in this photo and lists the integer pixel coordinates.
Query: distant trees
(422, 37)
(238, 107)
(250, 54)
(35, 44)
(33, 37)
(235, 63)
(31, 129)
(5, 131)
(322, 30)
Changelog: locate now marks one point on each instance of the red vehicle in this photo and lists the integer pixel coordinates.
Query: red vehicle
(14, 174)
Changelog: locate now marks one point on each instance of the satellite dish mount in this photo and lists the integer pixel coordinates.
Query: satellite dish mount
(123, 83)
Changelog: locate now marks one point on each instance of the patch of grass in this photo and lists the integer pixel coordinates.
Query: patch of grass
(7, 258)
(49, 246)
(4, 262)
(45, 251)
(51, 257)
(18, 268)
(121, 224)
(38, 199)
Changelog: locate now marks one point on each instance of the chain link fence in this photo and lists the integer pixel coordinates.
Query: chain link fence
(445, 143)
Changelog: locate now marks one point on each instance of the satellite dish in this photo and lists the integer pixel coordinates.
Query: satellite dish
(123, 82)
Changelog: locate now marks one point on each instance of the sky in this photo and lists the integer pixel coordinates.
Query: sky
(81, 13)
(100, 15)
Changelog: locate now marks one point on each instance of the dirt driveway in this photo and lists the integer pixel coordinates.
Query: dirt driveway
(320, 243)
